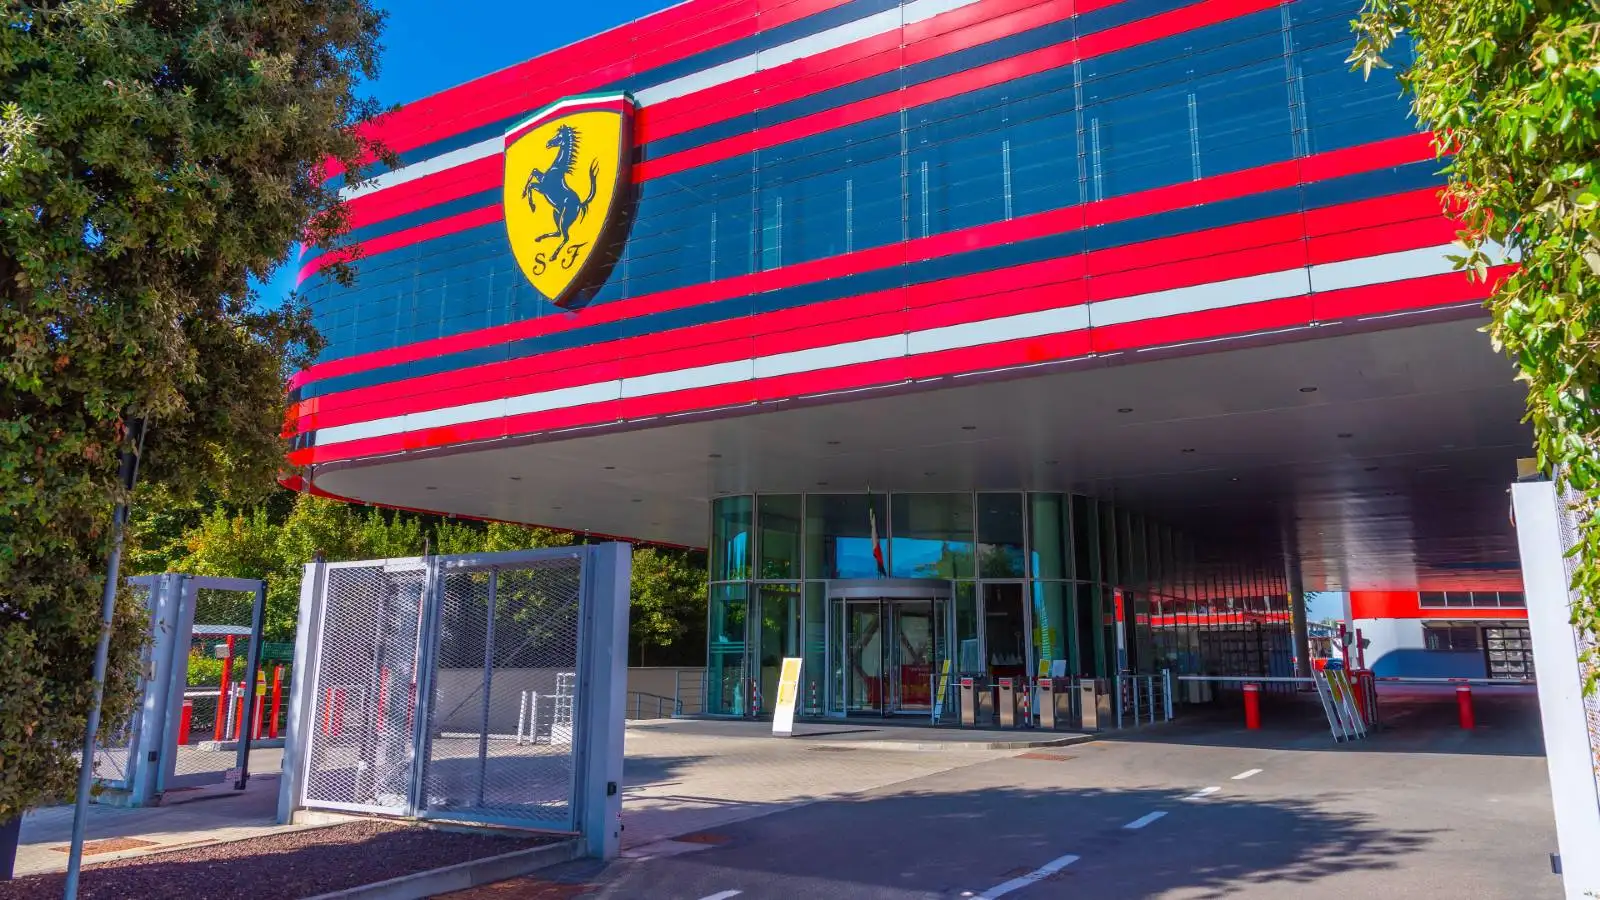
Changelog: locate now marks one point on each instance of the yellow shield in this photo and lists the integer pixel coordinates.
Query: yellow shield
(566, 187)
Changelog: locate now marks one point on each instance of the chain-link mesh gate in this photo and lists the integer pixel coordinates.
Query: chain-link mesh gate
(364, 689)
(507, 655)
(215, 669)
(454, 687)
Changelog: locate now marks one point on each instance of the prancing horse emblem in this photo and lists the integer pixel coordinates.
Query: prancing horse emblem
(554, 220)
(551, 184)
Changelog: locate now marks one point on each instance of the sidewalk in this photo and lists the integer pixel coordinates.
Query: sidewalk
(187, 819)
(890, 734)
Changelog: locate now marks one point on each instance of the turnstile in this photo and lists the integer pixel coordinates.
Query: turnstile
(1009, 696)
(1055, 703)
(977, 703)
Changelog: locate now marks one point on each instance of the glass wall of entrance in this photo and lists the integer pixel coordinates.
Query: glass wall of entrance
(891, 640)
(881, 595)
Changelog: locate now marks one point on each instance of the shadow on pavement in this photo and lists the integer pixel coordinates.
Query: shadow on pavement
(937, 841)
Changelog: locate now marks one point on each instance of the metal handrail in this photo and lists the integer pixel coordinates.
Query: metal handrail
(662, 704)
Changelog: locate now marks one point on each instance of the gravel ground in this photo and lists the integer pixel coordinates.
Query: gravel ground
(285, 866)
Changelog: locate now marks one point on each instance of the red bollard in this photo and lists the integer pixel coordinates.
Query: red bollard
(183, 722)
(1464, 705)
(222, 698)
(1252, 706)
(238, 714)
(277, 699)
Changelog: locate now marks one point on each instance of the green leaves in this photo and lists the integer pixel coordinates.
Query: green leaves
(147, 173)
(1516, 87)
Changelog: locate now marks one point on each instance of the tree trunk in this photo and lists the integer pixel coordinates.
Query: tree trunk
(10, 833)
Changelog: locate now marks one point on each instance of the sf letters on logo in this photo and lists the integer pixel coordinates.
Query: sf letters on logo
(565, 258)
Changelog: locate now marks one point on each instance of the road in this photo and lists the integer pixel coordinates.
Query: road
(1186, 811)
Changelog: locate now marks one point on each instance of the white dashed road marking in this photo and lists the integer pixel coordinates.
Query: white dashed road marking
(724, 895)
(1034, 877)
(1143, 820)
(1243, 775)
(1202, 793)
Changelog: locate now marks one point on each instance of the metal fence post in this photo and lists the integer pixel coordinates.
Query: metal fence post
(1116, 685)
(677, 692)
(427, 669)
(308, 657)
(1166, 692)
(1133, 682)
(604, 663)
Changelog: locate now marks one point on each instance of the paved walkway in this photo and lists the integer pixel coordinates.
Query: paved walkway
(690, 776)
(187, 819)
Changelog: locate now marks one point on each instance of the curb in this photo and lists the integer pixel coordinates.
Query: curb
(461, 876)
(954, 746)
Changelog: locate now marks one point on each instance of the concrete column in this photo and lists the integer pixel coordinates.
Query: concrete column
(603, 693)
(1297, 616)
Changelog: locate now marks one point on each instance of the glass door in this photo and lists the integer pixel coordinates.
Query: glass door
(864, 657)
(912, 656)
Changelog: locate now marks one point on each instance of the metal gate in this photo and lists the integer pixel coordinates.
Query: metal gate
(470, 688)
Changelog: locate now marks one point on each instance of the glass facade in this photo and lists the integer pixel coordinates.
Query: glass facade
(1254, 89)
(1012, 584)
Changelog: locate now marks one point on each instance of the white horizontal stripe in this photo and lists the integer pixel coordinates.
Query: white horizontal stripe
(457, 157)
(1399, 266)
(1122, 310)
(561, 398)
(991, 331)
(1214, 295)
(1143, 820)
(822, 41)
(846, 354)
(685, 379)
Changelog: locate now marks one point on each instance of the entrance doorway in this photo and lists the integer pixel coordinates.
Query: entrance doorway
(890, 641)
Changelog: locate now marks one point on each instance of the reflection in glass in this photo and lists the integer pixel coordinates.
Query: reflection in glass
(725, 649)
(969, 645)
(780, 637)
(932, 536)
(1052, 627)
(838, 535)
(1005, 630)
(730, 539)
(1000, 536)
(1049, 536)
(778, 521)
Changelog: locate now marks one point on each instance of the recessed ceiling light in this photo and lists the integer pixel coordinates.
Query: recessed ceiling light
(1051, 462)
(1188, 449)
(822, 484)
(609, 468)
(555, 507)
(432, 488)
(1234, 478)
(1370, 469)
(516, 478)
(637, 500)
(655, 524)
(833, 443)
(1125, 409)
(1308, 390)
(1346, 434)
(716, 455)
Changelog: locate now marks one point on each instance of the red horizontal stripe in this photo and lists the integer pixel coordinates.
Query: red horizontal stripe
(1207, 190)
(1251, 318)
(1399, 296)
(464, 180)
(472, 218)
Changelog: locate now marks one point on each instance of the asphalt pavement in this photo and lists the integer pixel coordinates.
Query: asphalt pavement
(1197, 809)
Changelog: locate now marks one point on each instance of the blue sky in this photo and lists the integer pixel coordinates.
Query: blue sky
(425, 52)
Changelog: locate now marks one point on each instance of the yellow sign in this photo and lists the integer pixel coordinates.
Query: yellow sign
(567, 173)
(788, 692)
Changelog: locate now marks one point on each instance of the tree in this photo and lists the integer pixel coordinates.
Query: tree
(154, 158)
(1511, 91)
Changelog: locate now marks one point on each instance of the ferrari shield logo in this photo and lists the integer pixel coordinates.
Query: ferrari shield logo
(566, 184)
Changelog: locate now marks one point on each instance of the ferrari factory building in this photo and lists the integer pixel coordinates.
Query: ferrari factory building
(989, 337)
